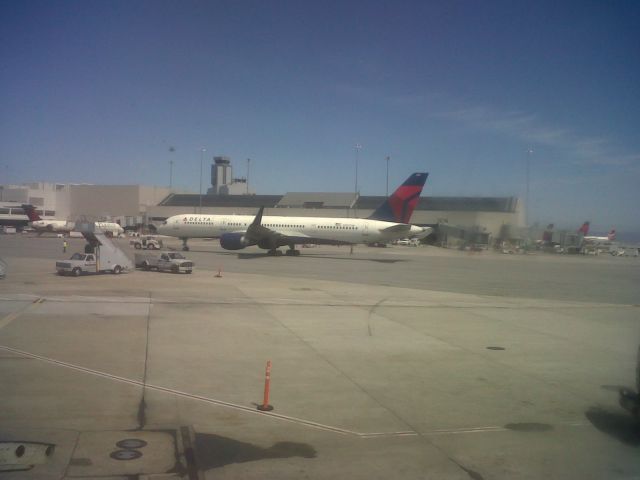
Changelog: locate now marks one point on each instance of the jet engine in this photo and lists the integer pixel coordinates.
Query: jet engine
(233, 241)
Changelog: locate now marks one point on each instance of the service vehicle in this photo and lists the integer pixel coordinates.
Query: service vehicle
(168, 262)
(100, 255)
(147, 242)
(80, 263)
(408, 242)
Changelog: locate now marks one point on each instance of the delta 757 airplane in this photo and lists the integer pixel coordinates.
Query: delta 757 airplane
(62, 226)
(389, 222)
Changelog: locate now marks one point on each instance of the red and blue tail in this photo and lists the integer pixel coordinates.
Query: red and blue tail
(30, 211)
(399, 206)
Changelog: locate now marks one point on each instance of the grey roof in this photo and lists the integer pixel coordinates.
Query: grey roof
(450, 204)
(341, 200)
(317, 200)
(190, 200)
(469, 204)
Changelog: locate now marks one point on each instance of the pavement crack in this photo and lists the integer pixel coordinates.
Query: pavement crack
(372, 311)
(142, 406)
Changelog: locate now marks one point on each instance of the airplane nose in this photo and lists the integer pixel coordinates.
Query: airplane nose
(163, 227)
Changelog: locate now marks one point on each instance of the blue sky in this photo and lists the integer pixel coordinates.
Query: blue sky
(99, 92)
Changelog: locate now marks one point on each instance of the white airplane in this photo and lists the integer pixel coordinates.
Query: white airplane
(389, 222)
(584, 229)
(62, 226)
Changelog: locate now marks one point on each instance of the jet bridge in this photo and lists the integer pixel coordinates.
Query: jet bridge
(108, 253)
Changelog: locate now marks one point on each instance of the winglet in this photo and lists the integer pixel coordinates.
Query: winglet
(258, 219)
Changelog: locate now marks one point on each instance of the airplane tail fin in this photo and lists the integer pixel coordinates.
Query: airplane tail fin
(400, 205)
(31, 213)
(584, 229)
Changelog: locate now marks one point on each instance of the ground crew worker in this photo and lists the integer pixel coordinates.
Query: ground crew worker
(64, 246)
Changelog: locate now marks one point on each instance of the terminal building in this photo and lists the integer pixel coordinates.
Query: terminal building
(127, 204)
(458, 221)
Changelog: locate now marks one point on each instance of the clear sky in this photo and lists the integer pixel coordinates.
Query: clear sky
(110, 91)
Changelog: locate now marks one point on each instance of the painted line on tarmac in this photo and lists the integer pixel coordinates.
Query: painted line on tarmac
(253, 411)
(455, 431)
(212, 401)
(13, 315)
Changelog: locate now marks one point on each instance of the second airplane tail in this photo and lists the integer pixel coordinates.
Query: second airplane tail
(400, 205)
(31, 213)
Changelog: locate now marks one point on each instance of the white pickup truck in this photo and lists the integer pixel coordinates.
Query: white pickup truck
(169, 262)
(89, 263)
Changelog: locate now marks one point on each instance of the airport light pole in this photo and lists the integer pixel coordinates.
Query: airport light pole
(202, 150)
(387, 158)
(248, 168)
(526, 196)
(171, 150)
(357, 147)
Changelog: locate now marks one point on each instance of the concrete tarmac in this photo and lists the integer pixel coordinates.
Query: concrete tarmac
(399, 363)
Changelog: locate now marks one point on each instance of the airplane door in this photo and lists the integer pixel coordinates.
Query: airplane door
(365, 231)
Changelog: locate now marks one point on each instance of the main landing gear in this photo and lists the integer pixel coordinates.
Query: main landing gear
(292, 252)
(185, 247)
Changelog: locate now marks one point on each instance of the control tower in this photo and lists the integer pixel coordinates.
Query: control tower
(222, 181)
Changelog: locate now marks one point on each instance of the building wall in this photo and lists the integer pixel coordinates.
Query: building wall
(151, 196)
(110, 201)
(48, 197)
(14, 193)
(104, 201)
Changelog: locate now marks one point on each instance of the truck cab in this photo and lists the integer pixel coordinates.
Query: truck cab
(78, 263)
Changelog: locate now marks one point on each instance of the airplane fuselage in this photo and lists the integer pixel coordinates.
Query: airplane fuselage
(52, 225)
(62, 226)
(329, 230)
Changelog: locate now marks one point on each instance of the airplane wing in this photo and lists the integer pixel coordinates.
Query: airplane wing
(258, 234)
(399, 228)
(408, 230)
(264, 237)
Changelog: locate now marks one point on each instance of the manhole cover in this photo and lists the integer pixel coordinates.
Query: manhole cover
(131, 443)
(125, 454)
